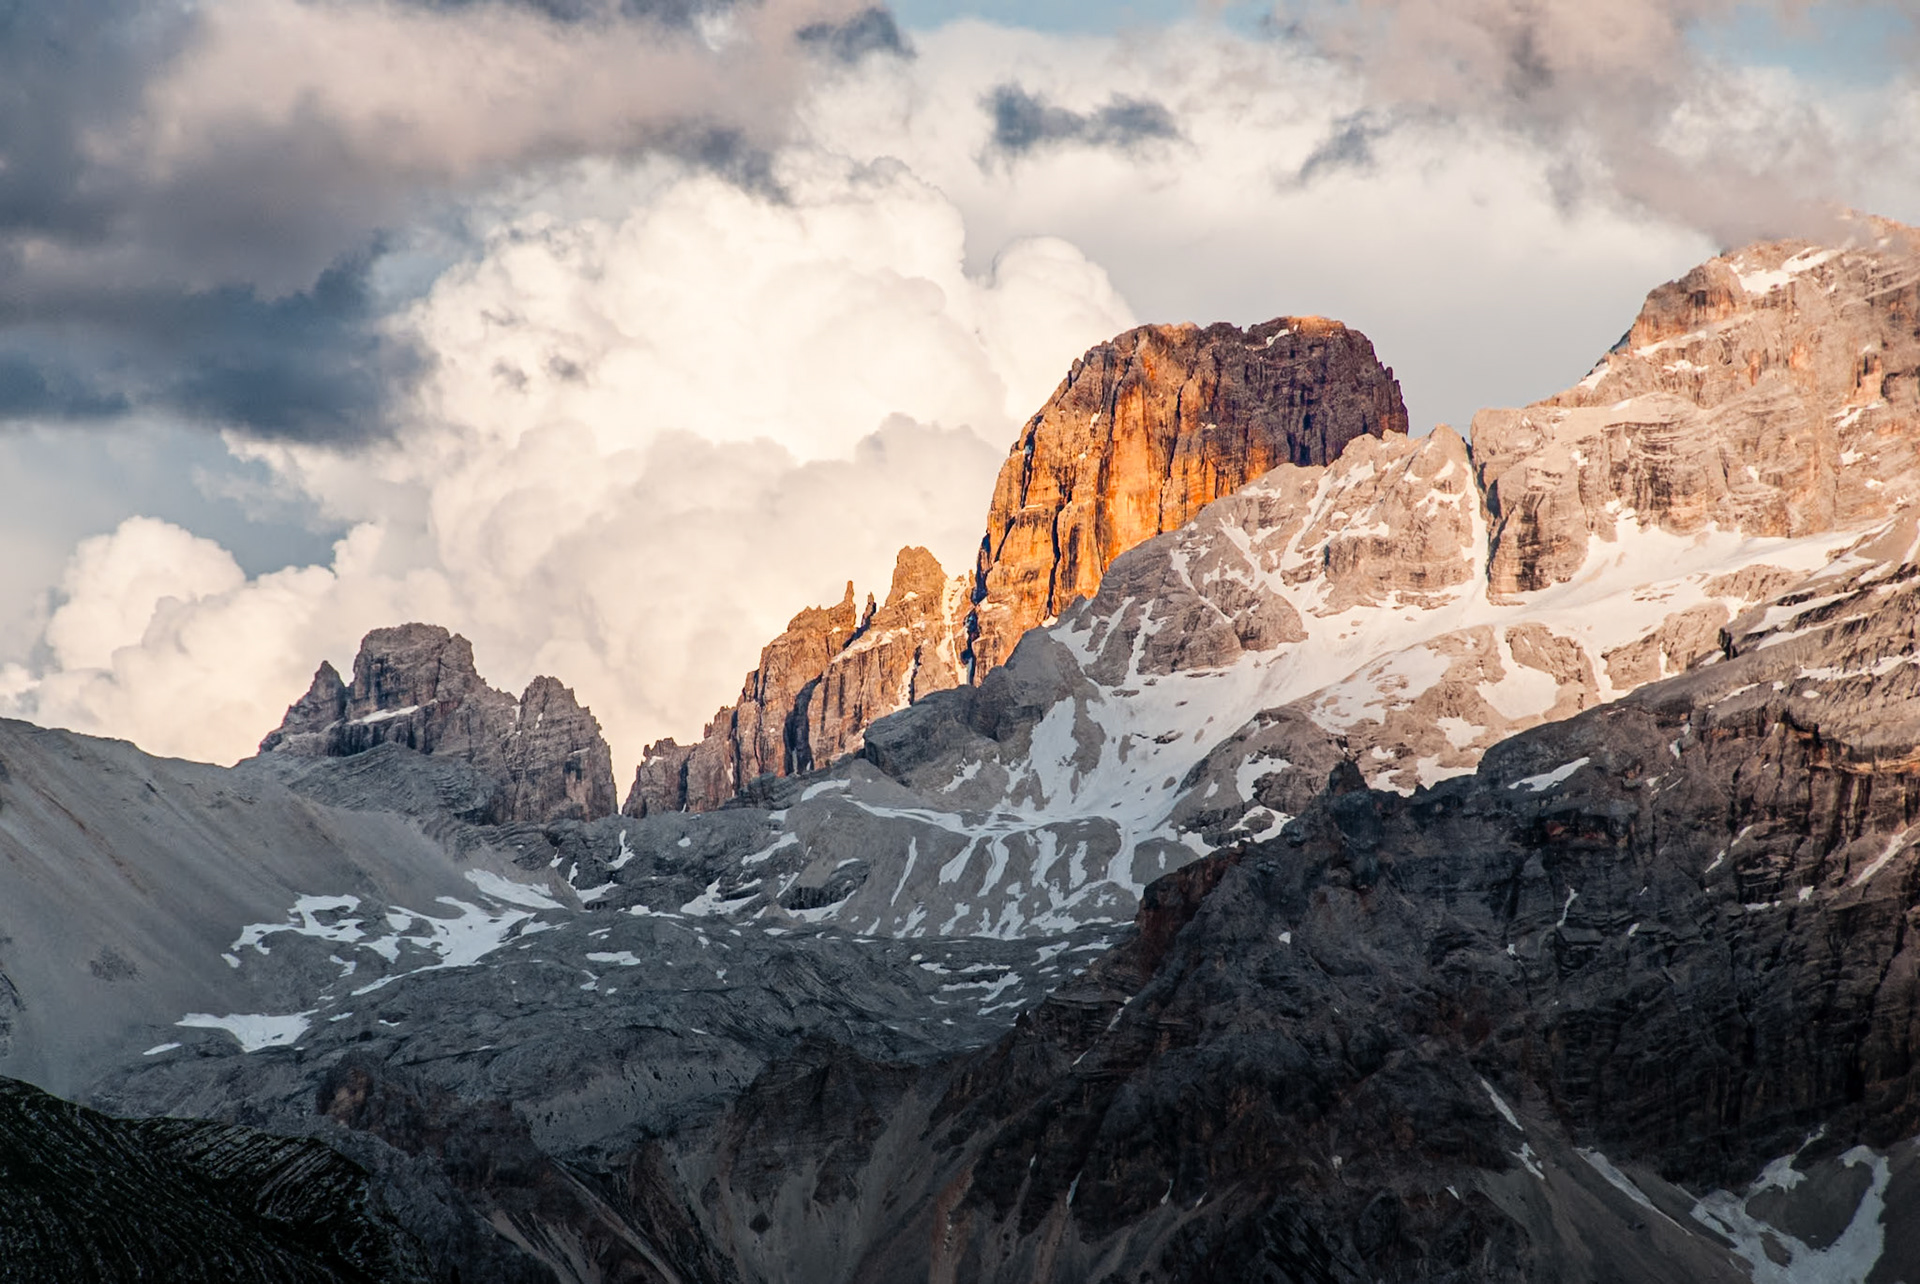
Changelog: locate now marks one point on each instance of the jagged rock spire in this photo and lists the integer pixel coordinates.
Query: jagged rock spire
(416, 685)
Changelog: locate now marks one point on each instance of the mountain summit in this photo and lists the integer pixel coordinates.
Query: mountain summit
(1145, 431)
(416, 685)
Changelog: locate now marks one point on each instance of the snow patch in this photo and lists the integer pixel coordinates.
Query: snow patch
(1852, 1256)
(252, 1030)
(1500, 1104)
(1548, 779)
(504, 889)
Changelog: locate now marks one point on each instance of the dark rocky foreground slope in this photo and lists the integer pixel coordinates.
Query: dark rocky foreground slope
(87, 1197)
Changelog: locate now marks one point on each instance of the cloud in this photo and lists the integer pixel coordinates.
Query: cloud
(190, 195)
(871, 31)
(115, 583)
(163, 640)
(1621, 95)
(1450, 249)
(646, 404)
(314, 364)
(1023, 121)
(640, 444)
(1348, 146)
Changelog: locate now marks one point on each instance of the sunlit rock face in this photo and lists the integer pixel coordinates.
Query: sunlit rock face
(1144, 432)
(817, 688)
(416, 685)
(1773, 391)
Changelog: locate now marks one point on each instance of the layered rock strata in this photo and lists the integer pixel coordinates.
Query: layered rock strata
(1774, 391)
(416, 685)
(1148, 429)
(87, 1197)
(818, 686)
(1145, 431)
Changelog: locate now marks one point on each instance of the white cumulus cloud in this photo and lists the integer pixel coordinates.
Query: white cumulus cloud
(646, 440)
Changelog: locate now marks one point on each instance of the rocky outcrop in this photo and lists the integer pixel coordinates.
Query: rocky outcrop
(1147, 430)
(87, 1197)
(1773, 391)
(416, 685)
(819, 685)
(907, 648)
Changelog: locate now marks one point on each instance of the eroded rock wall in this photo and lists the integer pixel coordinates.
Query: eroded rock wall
(416, 685)
(1774, 391)
(817, 688)
(1148, 429)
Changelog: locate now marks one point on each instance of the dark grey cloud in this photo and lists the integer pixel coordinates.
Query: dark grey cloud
(1023, 121)
(220, 272)
(1349, 146)
(61, 75)
(312, 365)
(871, 31)
(44, 385)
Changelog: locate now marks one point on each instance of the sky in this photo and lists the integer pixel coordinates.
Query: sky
(611, 333)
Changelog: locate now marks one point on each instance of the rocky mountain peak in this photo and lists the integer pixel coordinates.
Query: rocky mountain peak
(416, 685)
(1145, 431)
(1771, 391)
(819, 684)
(1148, 429)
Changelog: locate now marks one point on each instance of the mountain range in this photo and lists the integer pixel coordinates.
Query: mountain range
(1295, 850)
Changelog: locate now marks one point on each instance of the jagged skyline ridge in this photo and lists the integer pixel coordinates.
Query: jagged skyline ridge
(502, 501)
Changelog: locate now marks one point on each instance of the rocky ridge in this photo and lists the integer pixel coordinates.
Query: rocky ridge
(818, 686)
(1145, 431)
(416, 685)
(1772, 392)
(1148, 429)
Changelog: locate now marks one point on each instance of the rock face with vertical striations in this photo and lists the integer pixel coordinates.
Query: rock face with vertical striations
(1147, 430)
(907, 647)
(416, 685)
(1773, 391)
(818, 686)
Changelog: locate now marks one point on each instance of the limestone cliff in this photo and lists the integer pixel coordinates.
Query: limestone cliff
(1773, 391)
(1144, 432)
(818, 686)
(416, 685)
